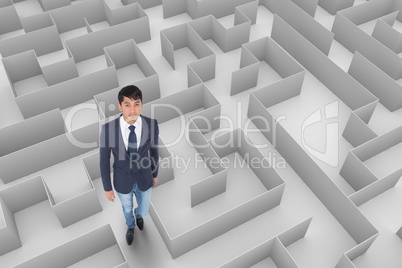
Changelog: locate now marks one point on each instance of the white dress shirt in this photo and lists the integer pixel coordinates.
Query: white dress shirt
(125, 131)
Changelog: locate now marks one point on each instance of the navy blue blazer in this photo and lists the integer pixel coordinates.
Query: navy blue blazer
(141, 167)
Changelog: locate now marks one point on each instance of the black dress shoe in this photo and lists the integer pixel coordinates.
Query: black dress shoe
(130, 236)
(140, 223)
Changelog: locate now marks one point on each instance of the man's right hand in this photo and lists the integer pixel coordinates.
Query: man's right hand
(110, 195)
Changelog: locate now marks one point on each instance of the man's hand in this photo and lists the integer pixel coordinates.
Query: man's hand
(110, 195)
(155, 182)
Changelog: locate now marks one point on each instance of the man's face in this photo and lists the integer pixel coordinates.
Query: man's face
(131, 109)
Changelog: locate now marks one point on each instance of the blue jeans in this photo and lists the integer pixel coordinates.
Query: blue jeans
(143, 200)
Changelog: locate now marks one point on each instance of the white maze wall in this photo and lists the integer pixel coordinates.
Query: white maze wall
(280, 131)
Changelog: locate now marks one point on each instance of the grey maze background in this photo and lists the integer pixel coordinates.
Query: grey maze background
(309, 89)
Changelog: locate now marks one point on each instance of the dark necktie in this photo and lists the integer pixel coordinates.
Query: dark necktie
(132, 141)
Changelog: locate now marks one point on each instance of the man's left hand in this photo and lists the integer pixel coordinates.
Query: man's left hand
(155, 182)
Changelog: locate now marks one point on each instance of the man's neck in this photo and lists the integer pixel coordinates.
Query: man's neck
(132, 122)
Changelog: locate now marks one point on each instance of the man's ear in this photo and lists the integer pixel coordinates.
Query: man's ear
(119, 107)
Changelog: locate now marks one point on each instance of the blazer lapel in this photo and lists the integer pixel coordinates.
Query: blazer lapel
(144, 134)
(123, 153)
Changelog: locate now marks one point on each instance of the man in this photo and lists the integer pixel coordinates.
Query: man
(133, 140)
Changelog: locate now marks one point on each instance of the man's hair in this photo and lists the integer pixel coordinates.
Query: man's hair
(131, 92)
